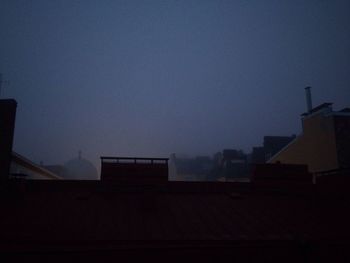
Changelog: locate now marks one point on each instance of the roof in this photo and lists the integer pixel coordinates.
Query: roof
(21, 160)
(319, 107)
(92, 215)
(178, 211)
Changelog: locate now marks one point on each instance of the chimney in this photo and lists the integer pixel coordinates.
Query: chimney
(7, 127)
(308, 99)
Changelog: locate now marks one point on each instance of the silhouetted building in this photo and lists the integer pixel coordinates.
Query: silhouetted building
(234, 164)
(273, 144)
(258, 155)
(216, 174)
(7, 127)
(218, 159)
(233, 155)
(135, 170)
(324, 143)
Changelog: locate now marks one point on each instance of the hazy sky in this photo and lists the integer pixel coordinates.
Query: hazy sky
(147, 78)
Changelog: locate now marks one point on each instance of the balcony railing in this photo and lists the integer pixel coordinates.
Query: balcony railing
(136, 160)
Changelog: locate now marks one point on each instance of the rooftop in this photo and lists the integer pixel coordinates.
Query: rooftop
(319, 107)
(142, 219)
(76, 214)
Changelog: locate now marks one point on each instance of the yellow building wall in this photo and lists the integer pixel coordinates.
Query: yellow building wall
(316, 147)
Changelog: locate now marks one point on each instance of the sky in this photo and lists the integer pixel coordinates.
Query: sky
(149, 78)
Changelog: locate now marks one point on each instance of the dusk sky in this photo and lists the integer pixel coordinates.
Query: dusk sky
(148, 78)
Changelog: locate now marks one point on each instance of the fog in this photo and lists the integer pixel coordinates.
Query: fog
(151, 78)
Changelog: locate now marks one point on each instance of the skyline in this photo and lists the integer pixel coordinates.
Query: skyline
(137, 79)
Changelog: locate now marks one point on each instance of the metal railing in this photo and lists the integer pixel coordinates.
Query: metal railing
(333, 172)
(138, 160)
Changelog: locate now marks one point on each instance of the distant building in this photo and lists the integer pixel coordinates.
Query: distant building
(324, 143)
(80, 168)
(233, 155)
(234, 164)
(258, 155)
(204, 164)
(216, 173)
(218, 159)
(273, 144)
(193, 169)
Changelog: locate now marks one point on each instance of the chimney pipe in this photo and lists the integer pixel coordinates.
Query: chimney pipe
(308, 98)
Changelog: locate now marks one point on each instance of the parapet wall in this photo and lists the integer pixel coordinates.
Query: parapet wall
(129, 170)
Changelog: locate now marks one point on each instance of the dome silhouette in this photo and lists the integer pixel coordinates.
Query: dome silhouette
(80, 169)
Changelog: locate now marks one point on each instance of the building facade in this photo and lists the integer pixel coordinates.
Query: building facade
(324, 143)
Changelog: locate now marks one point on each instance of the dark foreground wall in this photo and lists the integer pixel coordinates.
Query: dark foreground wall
(287, 174)
(185, 251)
(124, 169)
(98, 221)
